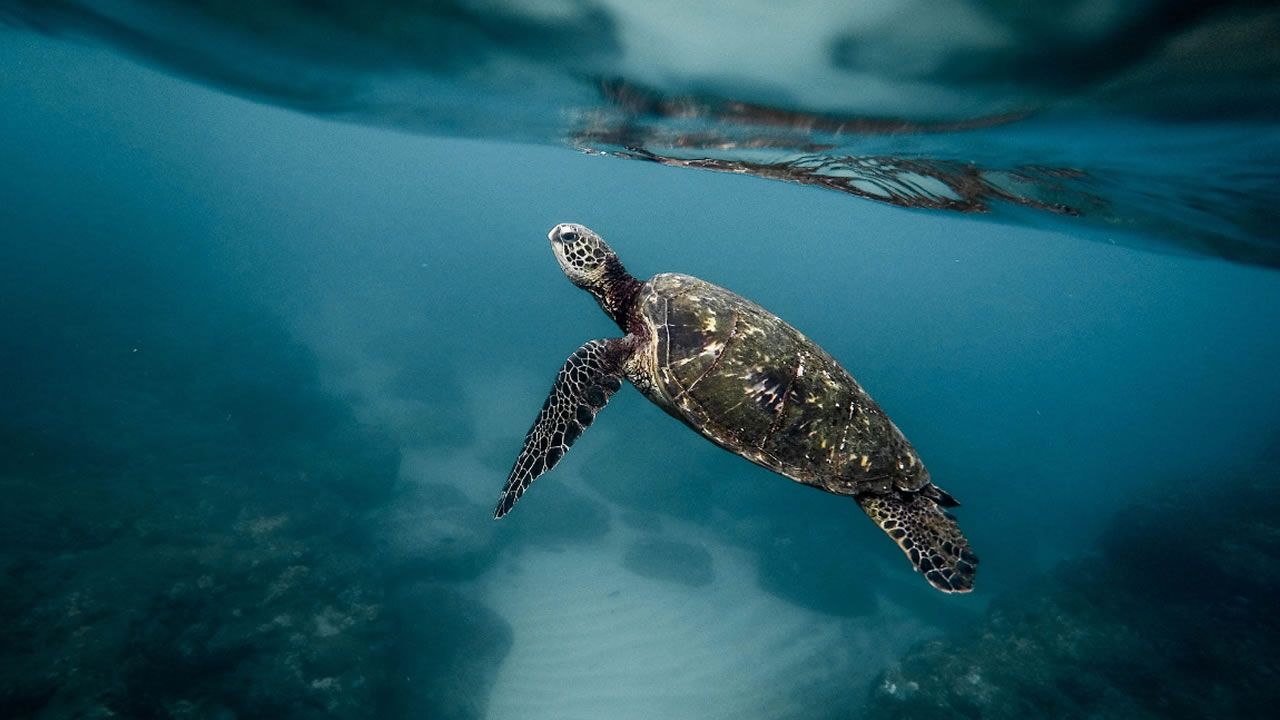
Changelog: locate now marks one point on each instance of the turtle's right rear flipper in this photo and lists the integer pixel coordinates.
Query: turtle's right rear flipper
(927, 534)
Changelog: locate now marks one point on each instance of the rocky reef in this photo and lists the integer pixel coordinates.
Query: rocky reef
(186, 527)
(448, 651)
(1173, 617)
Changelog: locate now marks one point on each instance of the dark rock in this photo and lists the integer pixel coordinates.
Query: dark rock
(670, 560)
(251, 620)
(448, 651)
(1173, 618)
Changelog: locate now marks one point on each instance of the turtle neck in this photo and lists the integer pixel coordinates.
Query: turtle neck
(616, 292)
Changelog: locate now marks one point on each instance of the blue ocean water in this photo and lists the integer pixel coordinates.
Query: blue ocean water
(266, 363)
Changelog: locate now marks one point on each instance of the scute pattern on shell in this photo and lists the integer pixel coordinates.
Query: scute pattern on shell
(758, 387)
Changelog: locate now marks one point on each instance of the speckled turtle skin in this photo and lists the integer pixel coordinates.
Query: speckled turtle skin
(756, 386)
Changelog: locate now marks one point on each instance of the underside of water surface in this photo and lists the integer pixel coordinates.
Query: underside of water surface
(279, 307)
(1152, 122)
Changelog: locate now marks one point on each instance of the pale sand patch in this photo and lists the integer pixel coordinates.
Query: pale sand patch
(593, 640)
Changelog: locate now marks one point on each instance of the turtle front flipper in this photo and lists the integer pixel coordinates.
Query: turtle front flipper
(586, 381)
(927, 534)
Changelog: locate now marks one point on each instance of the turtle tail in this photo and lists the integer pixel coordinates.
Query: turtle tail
(927, 534)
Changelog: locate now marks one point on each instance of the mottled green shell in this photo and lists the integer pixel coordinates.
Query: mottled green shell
(758, 387)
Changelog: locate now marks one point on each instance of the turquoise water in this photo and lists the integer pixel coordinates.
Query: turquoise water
(265, 372)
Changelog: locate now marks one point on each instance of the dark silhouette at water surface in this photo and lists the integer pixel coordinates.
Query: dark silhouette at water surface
(1010, 111)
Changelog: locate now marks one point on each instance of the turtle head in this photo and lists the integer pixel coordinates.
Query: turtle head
(592, 265)
(585, 259)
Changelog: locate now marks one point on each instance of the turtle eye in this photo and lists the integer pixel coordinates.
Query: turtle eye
(569, 236)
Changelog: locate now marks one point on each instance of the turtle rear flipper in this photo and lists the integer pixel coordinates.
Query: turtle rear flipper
(927, 534)
(584, 384)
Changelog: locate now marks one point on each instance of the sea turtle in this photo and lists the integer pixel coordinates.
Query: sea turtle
(751, 384)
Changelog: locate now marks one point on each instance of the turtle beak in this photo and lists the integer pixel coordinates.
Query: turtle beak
(557, 244)
(556, 232)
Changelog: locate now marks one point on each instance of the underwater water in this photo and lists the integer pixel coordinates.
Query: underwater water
(274, 320)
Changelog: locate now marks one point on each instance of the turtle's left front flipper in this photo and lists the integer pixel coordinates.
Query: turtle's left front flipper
(589, 377)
